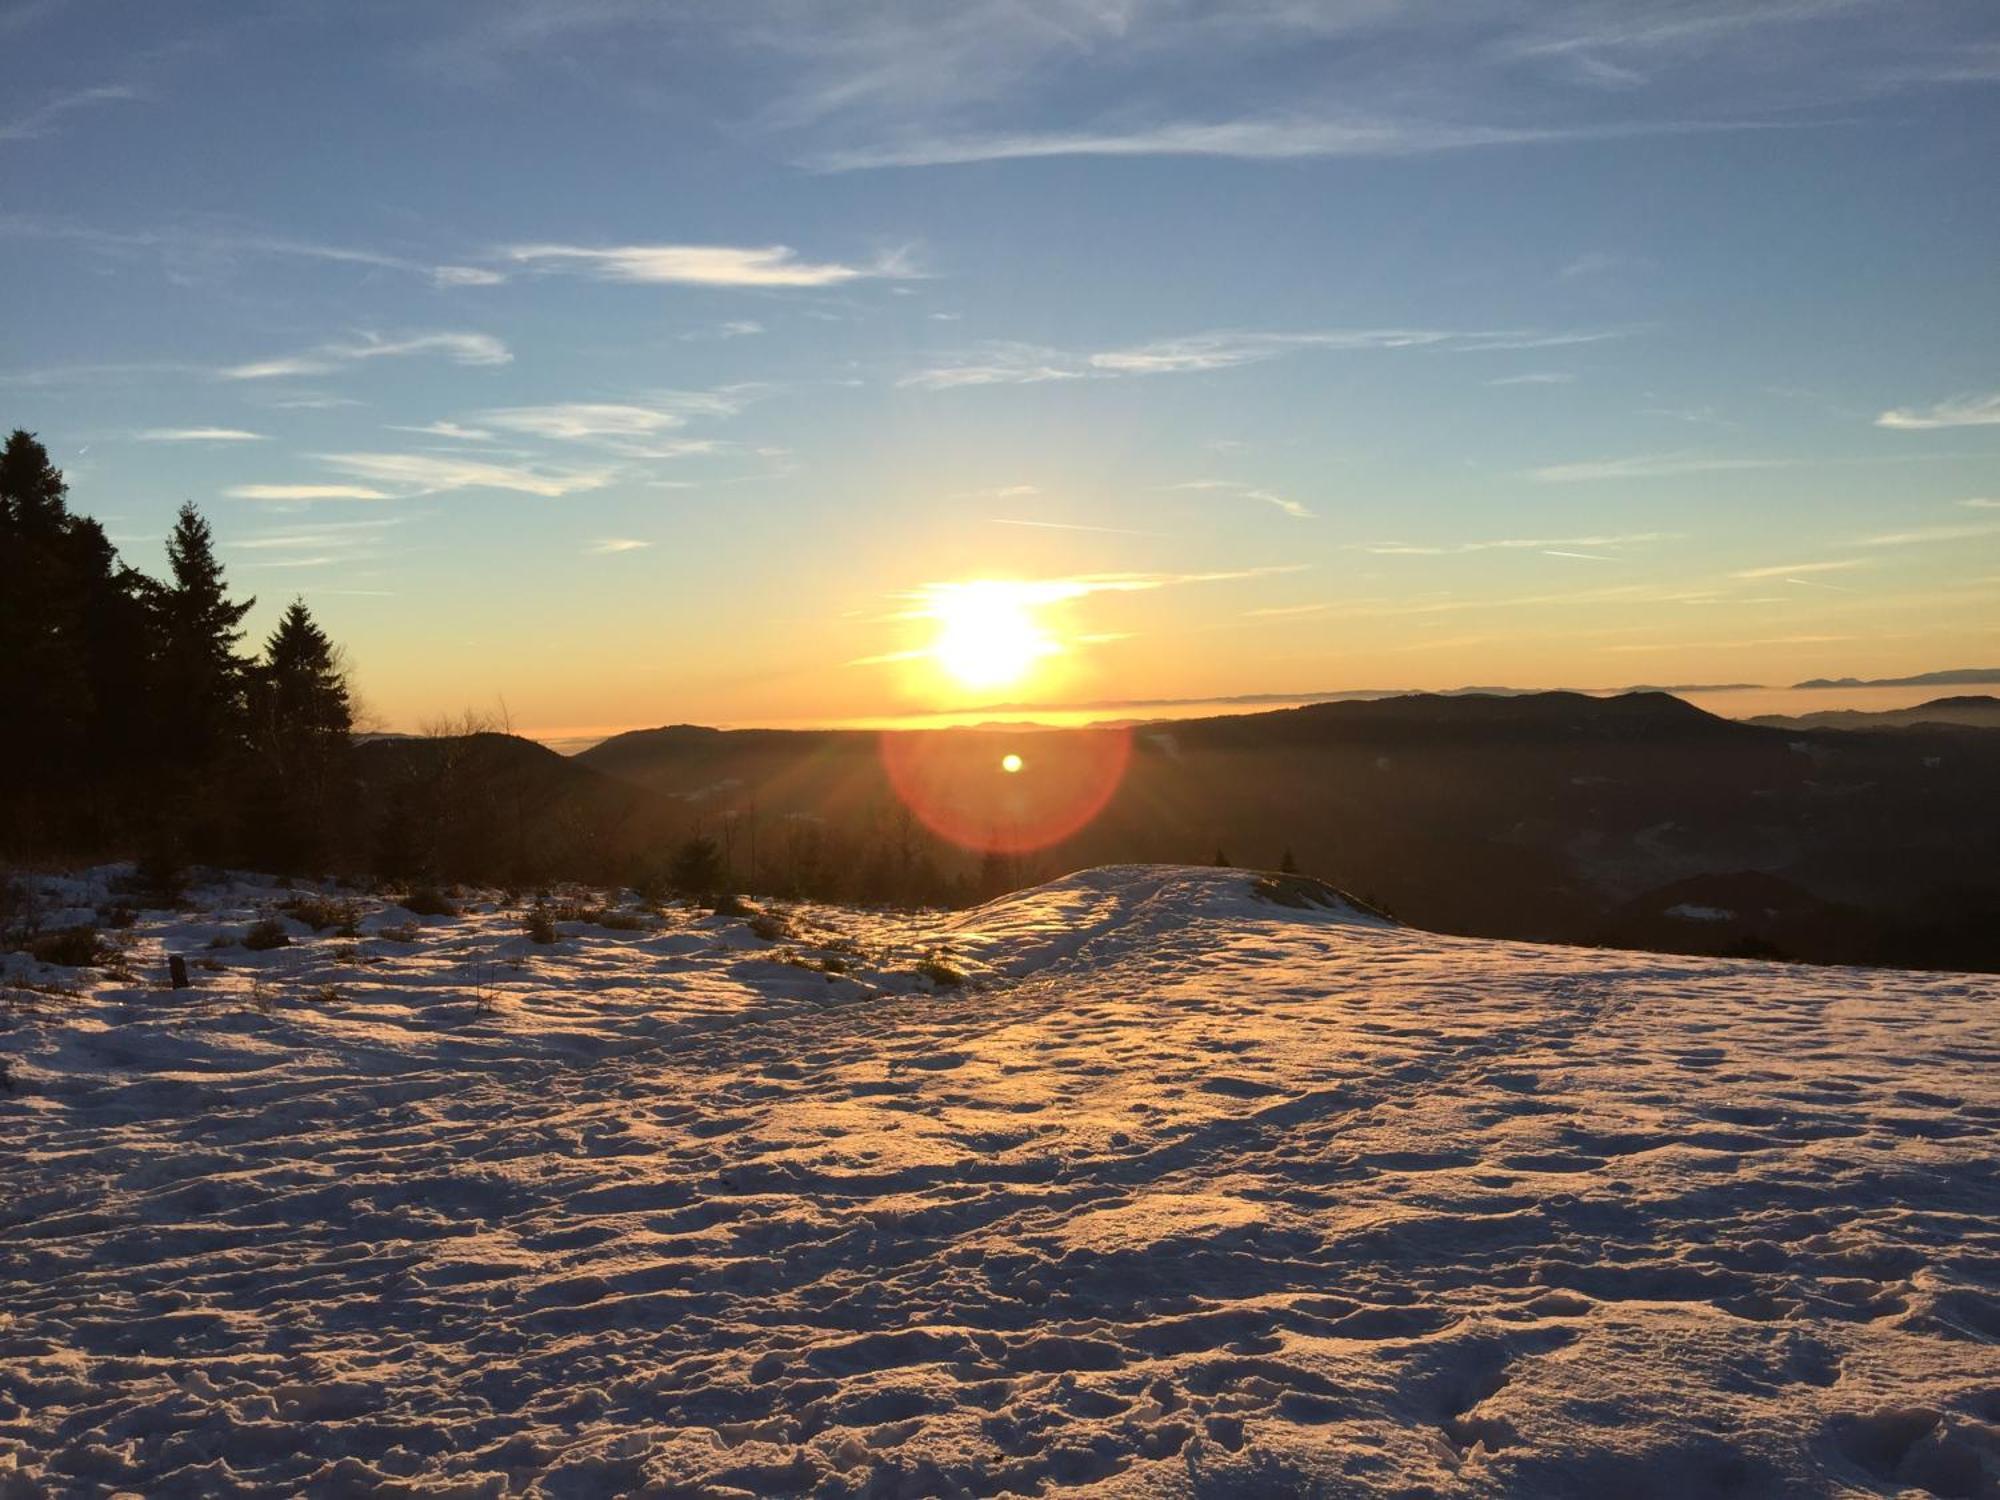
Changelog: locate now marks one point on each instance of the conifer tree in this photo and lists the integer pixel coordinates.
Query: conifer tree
(305, 690)
(74, 655)
(301, 725)
(203, 677)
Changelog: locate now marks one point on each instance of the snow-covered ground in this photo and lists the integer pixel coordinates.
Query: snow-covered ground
(1185, 1192)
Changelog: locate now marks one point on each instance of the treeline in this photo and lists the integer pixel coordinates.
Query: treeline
(139, 723)
(135, 719)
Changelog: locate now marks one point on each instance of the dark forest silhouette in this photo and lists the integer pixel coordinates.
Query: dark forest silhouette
(141, 727)
(139, 720)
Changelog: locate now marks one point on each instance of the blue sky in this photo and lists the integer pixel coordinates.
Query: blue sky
(641, 362)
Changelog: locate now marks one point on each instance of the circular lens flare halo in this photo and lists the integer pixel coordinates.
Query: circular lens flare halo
(970, 787)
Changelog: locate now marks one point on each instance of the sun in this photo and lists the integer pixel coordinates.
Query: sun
(988, 635)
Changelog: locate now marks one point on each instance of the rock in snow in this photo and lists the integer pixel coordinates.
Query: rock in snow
(1183, 1191)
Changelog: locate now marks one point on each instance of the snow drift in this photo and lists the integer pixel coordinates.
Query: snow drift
(1152, 1181)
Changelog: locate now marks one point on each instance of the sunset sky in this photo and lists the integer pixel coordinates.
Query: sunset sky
(640, 363)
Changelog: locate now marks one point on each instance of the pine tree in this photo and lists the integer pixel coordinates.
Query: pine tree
(41, 682)
(33, 493)
(202, 675)
(1288, 865)
(301, 721)
(304, 689)
(74, 656)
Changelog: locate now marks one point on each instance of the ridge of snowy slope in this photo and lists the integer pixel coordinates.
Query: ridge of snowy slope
(1187, 1192)
(1097, 915)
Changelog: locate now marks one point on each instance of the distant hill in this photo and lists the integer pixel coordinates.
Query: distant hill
(499, 807)
(1536, 816)
(1952, 677)
(1972, 711)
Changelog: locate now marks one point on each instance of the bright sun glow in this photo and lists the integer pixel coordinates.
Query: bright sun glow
(988, 636)
(1010, 763)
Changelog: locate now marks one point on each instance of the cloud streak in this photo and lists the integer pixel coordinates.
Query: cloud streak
(187, 248)
(1249, 492)
(431, 474)
(473, 349)
(1004, 363)
(199, 435)
(1787, 570)
(1650, 466)
(764, 266)
(1922, 534)
(1519, 544)
(299, 492)
(1282, 138)
(41, 121)
(1959, 411)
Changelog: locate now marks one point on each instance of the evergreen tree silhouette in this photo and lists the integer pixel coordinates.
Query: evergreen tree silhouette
(75, 658)
(302, 723)
(202, 675)
(304, 688)
(203, 688)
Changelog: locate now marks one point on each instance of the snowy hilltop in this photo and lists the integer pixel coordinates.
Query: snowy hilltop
(1150, 1181)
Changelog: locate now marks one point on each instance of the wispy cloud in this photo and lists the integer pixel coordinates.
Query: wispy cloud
(921, 602)
(41, 120)
(319, 535)
(1921, 534)
(998, 492)
(199, 435)
(1980, 503)
(934, 601)
(1071, 526)
(1285, 611)
(189, 249)
(736, 328)
(451, 430)
(1768, 640)
(1517, 544)
(611, 545)
(1027, 364)
(907, 84)
(1549, 377)
(430, 474)
(590, 421)
(1285, 138)
(1650, 466)
(1959, 411)
(296, 562)
(459, 348)
(766, 266)
(1247, 492)
(1788, 570)
(298, 492)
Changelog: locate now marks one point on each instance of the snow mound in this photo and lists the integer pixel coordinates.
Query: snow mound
(1099, 915)
(1192, 1183)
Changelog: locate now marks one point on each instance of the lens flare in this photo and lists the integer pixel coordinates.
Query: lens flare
(966, 786)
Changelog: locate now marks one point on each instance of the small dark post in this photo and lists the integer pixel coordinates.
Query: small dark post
(177, 967)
